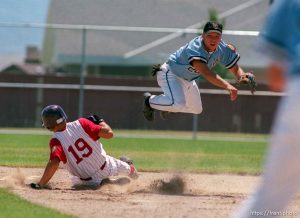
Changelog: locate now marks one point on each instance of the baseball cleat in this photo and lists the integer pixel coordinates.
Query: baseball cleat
(126, 160)
(133, 172)
(148, 111)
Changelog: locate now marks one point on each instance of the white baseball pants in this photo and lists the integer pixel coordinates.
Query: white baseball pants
(113, 167)
(179, 95)
(281, 176)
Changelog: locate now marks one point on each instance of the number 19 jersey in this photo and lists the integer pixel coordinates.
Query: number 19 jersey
(81, 152)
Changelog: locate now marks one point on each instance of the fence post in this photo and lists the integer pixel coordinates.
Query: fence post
(82, 73)
(195, 126)
(39, 103)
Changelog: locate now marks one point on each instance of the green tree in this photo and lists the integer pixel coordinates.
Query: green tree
(214, 16)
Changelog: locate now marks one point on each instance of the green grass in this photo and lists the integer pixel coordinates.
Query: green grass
(24, 150)
(149, 154)
(11, 206)
(189, 155)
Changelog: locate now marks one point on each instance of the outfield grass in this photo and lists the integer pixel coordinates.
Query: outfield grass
(193, 156)
(23, 150)
(149, 154)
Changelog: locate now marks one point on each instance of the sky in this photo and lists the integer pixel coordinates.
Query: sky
(23, 11)
(13, 40)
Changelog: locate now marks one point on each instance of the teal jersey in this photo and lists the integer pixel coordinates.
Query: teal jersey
(280, 38)
(180, 61)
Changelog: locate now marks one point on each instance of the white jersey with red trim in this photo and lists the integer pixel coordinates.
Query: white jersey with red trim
(84, 155)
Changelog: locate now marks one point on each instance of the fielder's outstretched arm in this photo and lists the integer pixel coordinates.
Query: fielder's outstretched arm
(214, 78)
(237, 71)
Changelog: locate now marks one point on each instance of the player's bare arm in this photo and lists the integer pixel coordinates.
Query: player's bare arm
(105, 131)
(276, 77)
(215, 79)
(237, 71)
(50, 169)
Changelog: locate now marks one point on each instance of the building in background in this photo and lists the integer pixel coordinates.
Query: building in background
(30, 66)
(36, 80)
(133, 53)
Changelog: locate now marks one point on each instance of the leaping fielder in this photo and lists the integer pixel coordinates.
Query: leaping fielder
(177, 75)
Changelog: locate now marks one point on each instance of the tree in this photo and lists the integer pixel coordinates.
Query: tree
(213, 16)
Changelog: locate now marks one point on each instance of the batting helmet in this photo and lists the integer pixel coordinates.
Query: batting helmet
(52, 115)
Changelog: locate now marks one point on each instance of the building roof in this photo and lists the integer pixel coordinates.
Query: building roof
(110, 47)
(24, 68)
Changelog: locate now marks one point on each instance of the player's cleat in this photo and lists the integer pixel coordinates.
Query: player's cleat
(148, 111)
(164, 114)
(126, 160)
(133, 172)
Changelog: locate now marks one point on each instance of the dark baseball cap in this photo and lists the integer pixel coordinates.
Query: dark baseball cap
(212, 26)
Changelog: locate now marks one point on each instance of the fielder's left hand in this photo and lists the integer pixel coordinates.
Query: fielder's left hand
(248, 79)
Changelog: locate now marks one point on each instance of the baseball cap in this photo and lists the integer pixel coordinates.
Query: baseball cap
(212, 26)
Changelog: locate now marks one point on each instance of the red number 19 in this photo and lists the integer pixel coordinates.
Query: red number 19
(80, 145)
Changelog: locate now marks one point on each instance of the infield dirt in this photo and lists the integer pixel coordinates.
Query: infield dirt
(151, 195)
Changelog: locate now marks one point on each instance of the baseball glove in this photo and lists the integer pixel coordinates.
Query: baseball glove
(95, 119)
(155, 69)
(248, 79)
(38, 186)
(35, 186)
